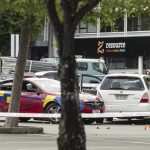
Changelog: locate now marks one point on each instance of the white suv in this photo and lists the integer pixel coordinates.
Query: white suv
(125, 93)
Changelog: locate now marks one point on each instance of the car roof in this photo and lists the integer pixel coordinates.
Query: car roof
(89, 60)
(30, 79)
(40, 73)
(122, 74)
(37, 78)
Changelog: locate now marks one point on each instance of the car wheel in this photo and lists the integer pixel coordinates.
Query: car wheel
(88, 121)
(99, 120)
(53, 108)
(109, 119)
(24, 119)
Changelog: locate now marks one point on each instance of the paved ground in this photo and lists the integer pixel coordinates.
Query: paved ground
(117, 135)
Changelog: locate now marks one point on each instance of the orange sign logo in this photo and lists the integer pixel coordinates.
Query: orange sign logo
(100, 47)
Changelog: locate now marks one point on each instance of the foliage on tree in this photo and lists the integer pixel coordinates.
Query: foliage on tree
(11, 20)
(109, 11)
(9, 23)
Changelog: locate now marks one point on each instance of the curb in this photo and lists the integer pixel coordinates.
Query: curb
(21, 130)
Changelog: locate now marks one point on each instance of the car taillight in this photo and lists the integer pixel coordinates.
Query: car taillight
(86, 110)
(98, 96)
(145, 98)
(102, 107)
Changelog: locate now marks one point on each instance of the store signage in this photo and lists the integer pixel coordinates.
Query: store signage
(111, 47)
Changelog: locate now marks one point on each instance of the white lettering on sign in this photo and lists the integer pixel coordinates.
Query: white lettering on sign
(116, 45)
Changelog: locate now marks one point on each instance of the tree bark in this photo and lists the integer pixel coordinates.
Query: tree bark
(71, 128)
(19, 73)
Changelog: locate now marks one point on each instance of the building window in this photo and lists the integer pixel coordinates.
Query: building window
(82, 27)
(116, 62)
(145, 22)
(132, 24)
(91, 28)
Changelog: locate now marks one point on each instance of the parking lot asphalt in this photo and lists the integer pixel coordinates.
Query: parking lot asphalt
(121, 135)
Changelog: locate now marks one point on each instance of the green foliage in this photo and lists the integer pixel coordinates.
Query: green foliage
(9, 23)
(110, 10)
(13, 13)
(24, 9)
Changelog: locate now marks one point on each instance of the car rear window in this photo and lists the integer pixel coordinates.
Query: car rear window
(122, 83)
(147, 81)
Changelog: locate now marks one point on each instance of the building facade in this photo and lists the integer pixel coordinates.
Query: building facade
(120, 45)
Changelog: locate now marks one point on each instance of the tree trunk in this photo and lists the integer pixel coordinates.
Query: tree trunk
(71, 128)
(19, 73)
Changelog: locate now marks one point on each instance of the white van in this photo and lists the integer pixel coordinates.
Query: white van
(93, 67)
(86, 66)
(90, 72)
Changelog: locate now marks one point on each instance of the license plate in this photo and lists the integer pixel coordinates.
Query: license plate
(96, 111)
(121, 97)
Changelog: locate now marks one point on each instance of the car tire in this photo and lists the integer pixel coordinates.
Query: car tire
(53, 108)
(99, 120)
(88, 121)
(109, 119)
(24, 119)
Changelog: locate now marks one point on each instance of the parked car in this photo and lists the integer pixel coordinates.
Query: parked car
(84, 87)
(47, 74)
(125, 93)
(89, 87)
(42, 95)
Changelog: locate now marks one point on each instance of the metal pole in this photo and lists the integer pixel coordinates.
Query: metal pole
(30, 66)
(125, 23)
(140, 64)
(98, 23)
(0, 67)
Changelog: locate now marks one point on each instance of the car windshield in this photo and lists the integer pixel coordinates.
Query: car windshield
(48, 85)
(123, 83)
(99, 67)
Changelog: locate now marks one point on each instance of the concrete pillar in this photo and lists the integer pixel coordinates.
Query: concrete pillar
(140, 64)
(125, 23)
(98, 23)
(98, 27)
(50, 41)
(46, 30)
(14, 45)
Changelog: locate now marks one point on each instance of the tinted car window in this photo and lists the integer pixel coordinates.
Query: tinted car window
(50, 76)
(82, 66)
(6, 86)
(147, 81)
(99, 67)
(48, 85)
(124, 83)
